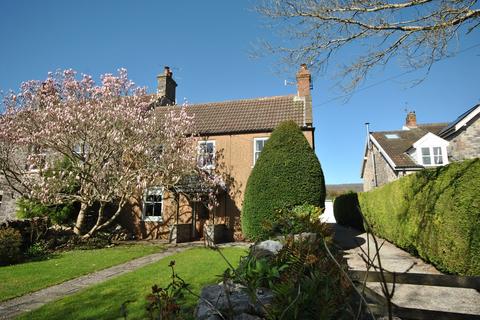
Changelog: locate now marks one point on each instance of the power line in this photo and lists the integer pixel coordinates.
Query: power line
(385, 80)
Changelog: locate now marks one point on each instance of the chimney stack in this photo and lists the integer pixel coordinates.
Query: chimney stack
(304, 85)
(304, 81)
(411, 121)
(166, 87)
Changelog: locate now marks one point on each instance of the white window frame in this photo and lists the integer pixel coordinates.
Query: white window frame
(1, 197)
(209, 166)
(255, 148)
(432, 156)
(145, 202)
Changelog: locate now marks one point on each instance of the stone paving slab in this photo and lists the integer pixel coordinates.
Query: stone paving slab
(16, 306)
(394, 259)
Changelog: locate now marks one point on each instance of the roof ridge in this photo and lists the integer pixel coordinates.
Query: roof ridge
(433, 124)
(241, 100)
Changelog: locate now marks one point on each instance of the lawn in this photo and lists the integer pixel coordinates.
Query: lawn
(19, 279)
(198, 266)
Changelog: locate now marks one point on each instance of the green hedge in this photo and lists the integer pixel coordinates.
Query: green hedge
(59, 214)
(434, 213)
(286, 174)
(346, 210)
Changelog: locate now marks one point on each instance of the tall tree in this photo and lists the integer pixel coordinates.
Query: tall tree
(420, 32)
(114, 143)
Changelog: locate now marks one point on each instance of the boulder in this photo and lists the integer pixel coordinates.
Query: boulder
(222, 299)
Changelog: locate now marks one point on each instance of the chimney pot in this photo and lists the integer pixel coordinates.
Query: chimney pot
(167, 71)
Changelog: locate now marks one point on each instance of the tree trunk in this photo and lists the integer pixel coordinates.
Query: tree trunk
(99, 226)
(80, 219)
(101, 213)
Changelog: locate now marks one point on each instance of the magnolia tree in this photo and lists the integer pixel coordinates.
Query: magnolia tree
(112, 144)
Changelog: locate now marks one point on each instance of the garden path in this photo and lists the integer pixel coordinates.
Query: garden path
(11, 308)
(394, 259)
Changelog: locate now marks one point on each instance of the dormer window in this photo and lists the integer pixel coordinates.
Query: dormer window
(430, 151)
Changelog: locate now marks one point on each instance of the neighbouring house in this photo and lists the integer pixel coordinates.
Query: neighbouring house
(232, 135)
(389, 155)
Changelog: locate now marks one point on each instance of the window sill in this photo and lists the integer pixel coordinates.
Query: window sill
(153, 219)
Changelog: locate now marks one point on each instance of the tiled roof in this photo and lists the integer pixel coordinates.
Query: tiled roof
(247, 115)
(396, 148)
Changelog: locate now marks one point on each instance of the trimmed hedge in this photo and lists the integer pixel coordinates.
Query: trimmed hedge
(286, 174)
(346, 210)
(434, 213)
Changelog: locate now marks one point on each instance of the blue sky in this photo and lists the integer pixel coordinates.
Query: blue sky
(207, 45)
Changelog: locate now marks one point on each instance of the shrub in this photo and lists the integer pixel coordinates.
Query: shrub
(346, 210)
(286, 174)
(305, 281)
(38, 251)
(293, 221)
(10, 246)
(59, 214)
(435, 213)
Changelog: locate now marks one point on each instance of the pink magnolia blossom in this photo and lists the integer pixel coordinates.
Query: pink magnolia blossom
(115, 143)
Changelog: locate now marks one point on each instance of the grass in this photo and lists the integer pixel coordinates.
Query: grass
(198, 267)
(19, 279)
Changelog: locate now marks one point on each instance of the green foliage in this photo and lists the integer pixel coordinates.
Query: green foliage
(346, 210)
(306, 282)
(296, 220)
(258, 272)
(10, 246)
(286, 174)
(434, 213)
(38, 251)
(312, 287)
(59, 214)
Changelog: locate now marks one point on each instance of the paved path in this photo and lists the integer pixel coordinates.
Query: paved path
(14, 307)
(394, 259)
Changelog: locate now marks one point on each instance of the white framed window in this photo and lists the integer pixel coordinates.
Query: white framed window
(206, 154)
(432, 156)
(437, 155)
(258, 144)
(1, 197)
(426, 160)
(153, 204)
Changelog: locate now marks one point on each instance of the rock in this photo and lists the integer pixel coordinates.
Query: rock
(213, 299)
(305, 236)
(270, 245)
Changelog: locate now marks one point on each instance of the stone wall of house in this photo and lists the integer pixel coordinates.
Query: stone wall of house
(465, 144)
(383, 170)
(7, 203)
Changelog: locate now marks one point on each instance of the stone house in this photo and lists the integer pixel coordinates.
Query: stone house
(389, 155)
(232, 135)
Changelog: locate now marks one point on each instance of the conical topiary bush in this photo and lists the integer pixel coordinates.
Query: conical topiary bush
(286, 174)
